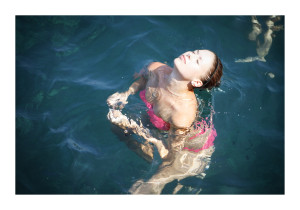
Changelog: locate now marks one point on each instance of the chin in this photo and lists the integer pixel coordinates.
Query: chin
(178, 66)
(177, 62)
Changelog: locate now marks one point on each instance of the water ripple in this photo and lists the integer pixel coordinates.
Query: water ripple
(79, 147)
(87, 81)
(97, 84)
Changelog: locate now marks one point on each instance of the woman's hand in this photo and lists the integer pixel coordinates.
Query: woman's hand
(117, 118)
(117, 100)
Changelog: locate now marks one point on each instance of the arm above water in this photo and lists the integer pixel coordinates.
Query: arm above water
(119, 100)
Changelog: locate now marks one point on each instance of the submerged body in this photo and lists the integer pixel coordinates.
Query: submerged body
(191, 160)
(172, 105)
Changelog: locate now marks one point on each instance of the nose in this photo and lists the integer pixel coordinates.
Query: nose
(188, 54)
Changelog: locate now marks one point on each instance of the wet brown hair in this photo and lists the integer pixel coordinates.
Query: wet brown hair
(213, 78)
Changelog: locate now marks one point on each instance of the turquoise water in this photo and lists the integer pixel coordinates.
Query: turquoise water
(66, 67)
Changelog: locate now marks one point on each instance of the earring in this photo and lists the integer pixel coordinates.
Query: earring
(196, 83)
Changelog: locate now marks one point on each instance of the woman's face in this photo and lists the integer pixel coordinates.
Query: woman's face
(194, 65)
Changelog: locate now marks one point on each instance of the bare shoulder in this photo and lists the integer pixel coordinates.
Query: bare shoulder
(155, 65)
(183, 118)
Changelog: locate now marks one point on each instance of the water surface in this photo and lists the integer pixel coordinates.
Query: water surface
(66, 67)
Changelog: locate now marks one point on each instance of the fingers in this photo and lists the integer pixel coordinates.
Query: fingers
(117, 118)
(113, 115)
(163, 152)
(110, 100)
(117, 100)
(121, 104)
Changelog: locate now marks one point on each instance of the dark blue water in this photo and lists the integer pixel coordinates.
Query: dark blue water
(66, 67)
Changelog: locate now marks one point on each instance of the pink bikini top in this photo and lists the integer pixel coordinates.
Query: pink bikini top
(162, 125)
(155, 120)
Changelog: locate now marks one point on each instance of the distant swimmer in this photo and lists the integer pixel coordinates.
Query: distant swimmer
(262, 50)
(168, 94)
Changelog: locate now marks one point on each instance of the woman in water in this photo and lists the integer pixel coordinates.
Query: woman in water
(169, 95)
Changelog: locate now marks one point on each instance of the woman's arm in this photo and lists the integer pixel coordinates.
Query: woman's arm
(119, 100)
(176, 138)
(117, 118)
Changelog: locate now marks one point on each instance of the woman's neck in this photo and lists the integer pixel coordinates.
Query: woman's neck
(177, 86)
